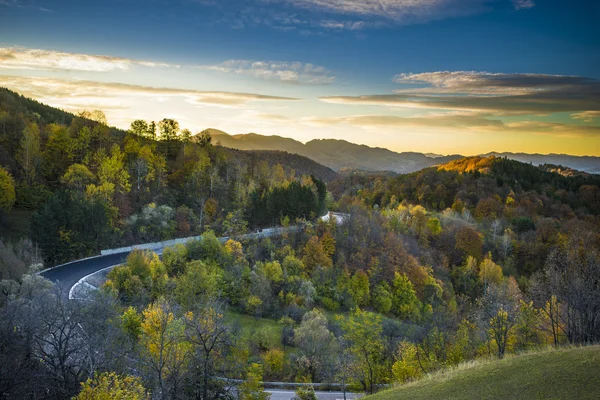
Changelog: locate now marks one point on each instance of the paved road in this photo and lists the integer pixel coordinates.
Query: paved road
(289, 395)
(67, 275)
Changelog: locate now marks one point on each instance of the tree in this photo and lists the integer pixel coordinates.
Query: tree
(94, 115)
(405, 302)
(168, 129)
(490, 273)
(140, 127)
(110, 386)
(209, 335)
(29, 153)
(315, 255)
(252, 387)
(204, 138)
(362, 330)
(470, 241)
(315, 342)
(7, 190)
(78, 177)
(499, 311)
(112, 170)
(359, 288)
(165, 351)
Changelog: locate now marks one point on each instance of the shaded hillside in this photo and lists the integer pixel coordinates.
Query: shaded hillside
(585, 163)
(335, 154)
(340, 154)
(300, 164)
(562, 374)
(85, 185)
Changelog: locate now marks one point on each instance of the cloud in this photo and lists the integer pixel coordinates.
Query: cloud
(38, 59)
(27, 4)
(346, 14)
(288, 72)
(523, 4)
(586, 116)
(77, 94)
(454, 122)
(491, 93)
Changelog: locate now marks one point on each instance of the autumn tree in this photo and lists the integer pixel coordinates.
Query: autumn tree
(165, 352)
(499, 311)
(110, 386)
(252, 387)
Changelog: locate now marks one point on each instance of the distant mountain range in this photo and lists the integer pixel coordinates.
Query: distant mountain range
(342, 155)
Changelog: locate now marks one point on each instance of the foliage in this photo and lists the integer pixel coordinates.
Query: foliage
(110, 386)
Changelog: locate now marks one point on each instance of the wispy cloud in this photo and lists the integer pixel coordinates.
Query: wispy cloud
(523, 4)
(348, 14)
(462, 122)
(38, 59)
(29, 4)
(77, 94)
(491, 93)
(288, 72)
(586, 116)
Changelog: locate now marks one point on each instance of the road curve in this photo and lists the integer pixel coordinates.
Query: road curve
(67, 275)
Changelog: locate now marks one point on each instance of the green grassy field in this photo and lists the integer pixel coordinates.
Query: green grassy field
(251, 326)
(561, 374)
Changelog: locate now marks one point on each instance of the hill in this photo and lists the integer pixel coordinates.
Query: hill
(85, 185)
(335, 154)
(585, 163)
(561, 374)
(340, 154)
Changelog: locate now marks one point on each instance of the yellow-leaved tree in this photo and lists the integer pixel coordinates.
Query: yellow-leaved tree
(165, 351)
(110, 386)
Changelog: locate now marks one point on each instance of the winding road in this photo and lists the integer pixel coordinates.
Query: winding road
(66, 276)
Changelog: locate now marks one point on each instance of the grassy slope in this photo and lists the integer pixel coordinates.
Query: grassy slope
(562, 374)
(250, 324)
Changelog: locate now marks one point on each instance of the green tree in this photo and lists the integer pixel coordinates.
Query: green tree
(405, 301)
(315, 342)
(7, 190)
(358, 286)
(78, 177)
(168, 129)
(112, 170)
(362, 330)
(29, 153)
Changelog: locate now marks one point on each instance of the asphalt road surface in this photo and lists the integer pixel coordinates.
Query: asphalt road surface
(289, 395)
(67, 275)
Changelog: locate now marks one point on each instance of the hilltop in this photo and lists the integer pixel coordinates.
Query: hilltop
(560, 374)
(340, 155)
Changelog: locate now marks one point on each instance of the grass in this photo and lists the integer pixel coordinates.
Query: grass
(571, 373)
(251, 325)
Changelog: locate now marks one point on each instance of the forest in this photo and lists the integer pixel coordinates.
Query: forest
(474, 259)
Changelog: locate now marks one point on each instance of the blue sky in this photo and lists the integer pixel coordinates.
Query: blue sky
(444, 76)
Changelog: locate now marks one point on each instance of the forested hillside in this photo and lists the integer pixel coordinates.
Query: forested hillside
(93, 186)
(474, 259)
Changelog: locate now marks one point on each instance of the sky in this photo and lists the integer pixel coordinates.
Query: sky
(435, 76)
